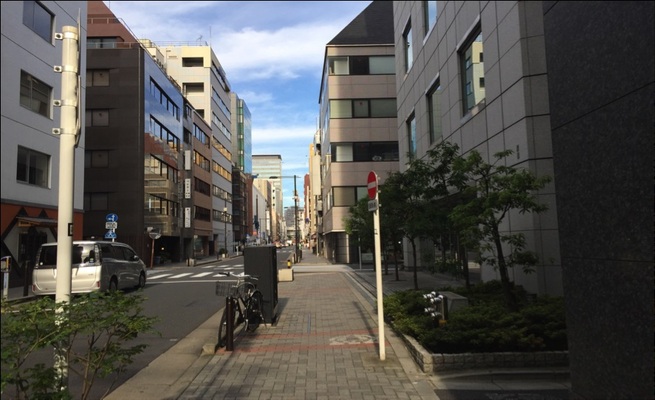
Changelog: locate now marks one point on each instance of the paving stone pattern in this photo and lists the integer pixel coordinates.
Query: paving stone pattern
(324, 346)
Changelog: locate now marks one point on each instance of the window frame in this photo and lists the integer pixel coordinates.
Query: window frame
(32, 22)
(407, 47)
(411, 135)
(28, 90)
(28, 175)
(433, 92)
(468, 67)
(430, 23)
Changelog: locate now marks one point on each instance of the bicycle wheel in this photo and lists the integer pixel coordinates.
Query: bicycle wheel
(222, 327)
(255, 311)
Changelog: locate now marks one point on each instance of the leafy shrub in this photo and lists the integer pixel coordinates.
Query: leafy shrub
(101, 324)
(485, 325)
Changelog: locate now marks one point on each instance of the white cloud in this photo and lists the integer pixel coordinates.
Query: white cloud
(283, 54)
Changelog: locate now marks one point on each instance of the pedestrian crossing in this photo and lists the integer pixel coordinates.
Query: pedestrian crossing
(216, 272)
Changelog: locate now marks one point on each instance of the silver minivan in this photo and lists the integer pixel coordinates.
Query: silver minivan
(97, 265)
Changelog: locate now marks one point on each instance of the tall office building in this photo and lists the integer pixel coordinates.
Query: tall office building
(358, 131)
(265, 166)
(136, 142)
(204, 83)
(474, 74)
(30, 150)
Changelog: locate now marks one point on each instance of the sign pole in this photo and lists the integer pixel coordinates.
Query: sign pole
(374, 206)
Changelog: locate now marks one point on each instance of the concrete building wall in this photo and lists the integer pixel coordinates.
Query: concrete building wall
(512, 115)
(204, 84)
(29, 198)
(347, 129)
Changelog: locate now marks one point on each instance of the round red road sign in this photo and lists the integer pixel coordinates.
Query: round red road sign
(372, 185)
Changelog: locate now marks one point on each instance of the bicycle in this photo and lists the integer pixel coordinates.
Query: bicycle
(247, 305)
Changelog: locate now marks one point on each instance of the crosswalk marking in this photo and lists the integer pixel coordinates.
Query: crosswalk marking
(218, 272)
(158, 276)
(178, 276)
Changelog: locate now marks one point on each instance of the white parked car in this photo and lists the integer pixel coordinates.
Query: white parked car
(96, 266)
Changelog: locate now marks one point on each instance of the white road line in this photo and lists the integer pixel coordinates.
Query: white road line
(201, 275)
(158, 276)
(181, 275)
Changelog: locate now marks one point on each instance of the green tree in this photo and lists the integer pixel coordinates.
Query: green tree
(495, 189)
(98, 333)
(392, 217)
(359, 222)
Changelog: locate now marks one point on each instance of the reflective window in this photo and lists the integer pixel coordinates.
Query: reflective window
(430, 14)
(34, 94)
(434, 112)
(38, 19)
(472, 70)
(411, 135)
(408, 50)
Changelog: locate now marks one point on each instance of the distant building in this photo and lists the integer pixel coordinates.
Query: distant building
(265, 166)
(30, 151)
(204, 83)
(358, 128)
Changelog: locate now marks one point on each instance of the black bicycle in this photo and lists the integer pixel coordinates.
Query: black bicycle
(247, 303)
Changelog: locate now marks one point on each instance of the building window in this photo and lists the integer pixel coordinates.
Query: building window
(192, 62)
(96, 201)
(200, 161)
(96, 159)
(362, 65)
(341, 109)
(434, 112)
(381, 65)
(407, 44)
(201, 186)
(346, 196)
(101, 43)
(430, 14)
(338, 66)
(160, 132)
(38, 19)
(157, 204)
(97, 78)
(364, 151)
(97, 118)
(411, 136)
(363, 108)
(472, 70)
(33, 167)
(34, 94)
(163, 99)
(194, 87)
(202, 214)
(200, 135)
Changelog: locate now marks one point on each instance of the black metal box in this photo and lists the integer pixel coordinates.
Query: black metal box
(261, 261)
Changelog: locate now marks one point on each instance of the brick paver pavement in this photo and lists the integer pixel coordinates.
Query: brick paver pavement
(323, 346)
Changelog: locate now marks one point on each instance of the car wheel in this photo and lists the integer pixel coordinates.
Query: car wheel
(142, 280)
(113, 285)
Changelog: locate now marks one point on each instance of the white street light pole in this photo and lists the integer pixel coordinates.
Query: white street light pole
(68, 135)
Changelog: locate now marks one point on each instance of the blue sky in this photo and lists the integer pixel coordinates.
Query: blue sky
(272, 53)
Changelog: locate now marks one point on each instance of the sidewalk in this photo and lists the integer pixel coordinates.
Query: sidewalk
(323, 346)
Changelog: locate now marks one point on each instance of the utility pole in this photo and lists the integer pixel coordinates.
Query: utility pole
(68, 136)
